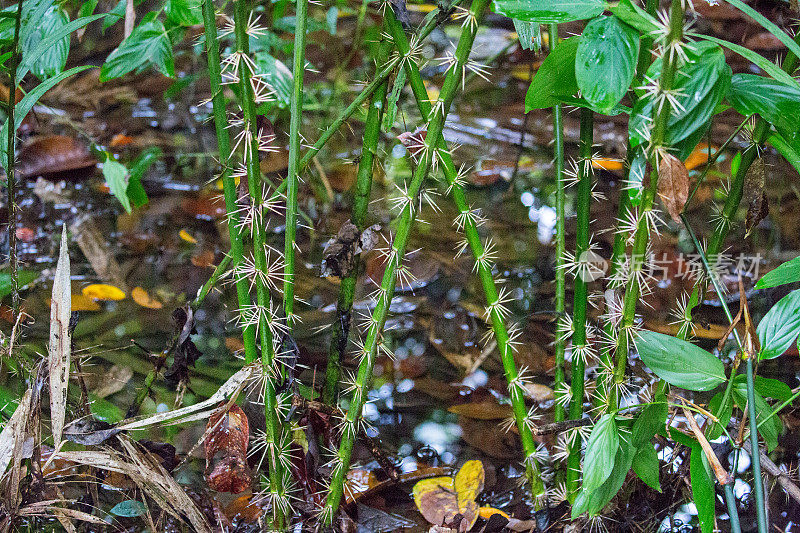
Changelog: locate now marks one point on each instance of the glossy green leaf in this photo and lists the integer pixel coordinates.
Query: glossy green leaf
(645, 464)
(788, 272)
(184, 12)
(87, 8)
(778, 103)
(605, 61)
(592, 502)
(135, 191)
(679, 362)
(28, 101)
(770, 430)
(702, 490)
(24, 278)
(780, 326)
(116, 14)
(772, 388)
(555, 77)
(147, 45)
(650, 420)
(51, 60)
(117, 176)
(757, 59)
(549, 11)
(700, 84)
(600, 451)
(633, 15)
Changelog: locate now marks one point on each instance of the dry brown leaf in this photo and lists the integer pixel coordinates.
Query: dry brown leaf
(113, 381)
(13, 430)
(58, 353)
(442, 499)
(226, 450)
(755, 181)
(673, 184)
(53, 154)
(94, 246)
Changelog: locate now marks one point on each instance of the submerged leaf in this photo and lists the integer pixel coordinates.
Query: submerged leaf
(103, 292)
(673, 185)
(141, 297)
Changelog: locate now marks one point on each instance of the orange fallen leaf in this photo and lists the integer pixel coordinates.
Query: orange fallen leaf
(102, 291)
(487, 512)
(699, 156)
(442, 499)
(608, 163)
(186, 236)
(120, 140)
(141, 297)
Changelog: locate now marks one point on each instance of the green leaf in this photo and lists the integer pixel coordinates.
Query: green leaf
(549, 11)
(529, 36)
(645, 464)
(788, 272)
(600, 451)
(605, 61)
(129, 509)
(772, 388)
(52, 40)
(555, 77)
(789, 152)
(117, 176)
(700, 85)
(184, 12)
(702, 490)
(635, 16)
(87, 8)
(591, 502)
(116, 14)
(647, 424)
(778, 103)
(24, 278)
(722, 412)
(757, 59)
(276, 75)
(780, 326)
(680, 363)
(147, 45)
(770, 430)
(26, 104)
(135, 192)
(50, 61)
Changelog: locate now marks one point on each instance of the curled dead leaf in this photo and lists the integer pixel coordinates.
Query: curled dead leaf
(53, 154)
(673, 184)
(226, 450)
(448, 501)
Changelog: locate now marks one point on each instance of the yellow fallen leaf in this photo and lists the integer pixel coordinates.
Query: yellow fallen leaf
(433, 92)
(141, 297)
(487, 512)
(81, 302)
(607, 163)
(101, 291)
(440, 499)
(186, 236)
(421, 8)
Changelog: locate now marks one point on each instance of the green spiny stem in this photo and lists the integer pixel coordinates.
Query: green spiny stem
(561, 243)
(470, 228)
(298, 69)
(623, 207)
(436, 120)
(221, 268)
(362, 97)
(228, 183)
(751, 409)
(341, 325)
(642, 235)
(581, 298)
(11, 177)
(272, 368)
